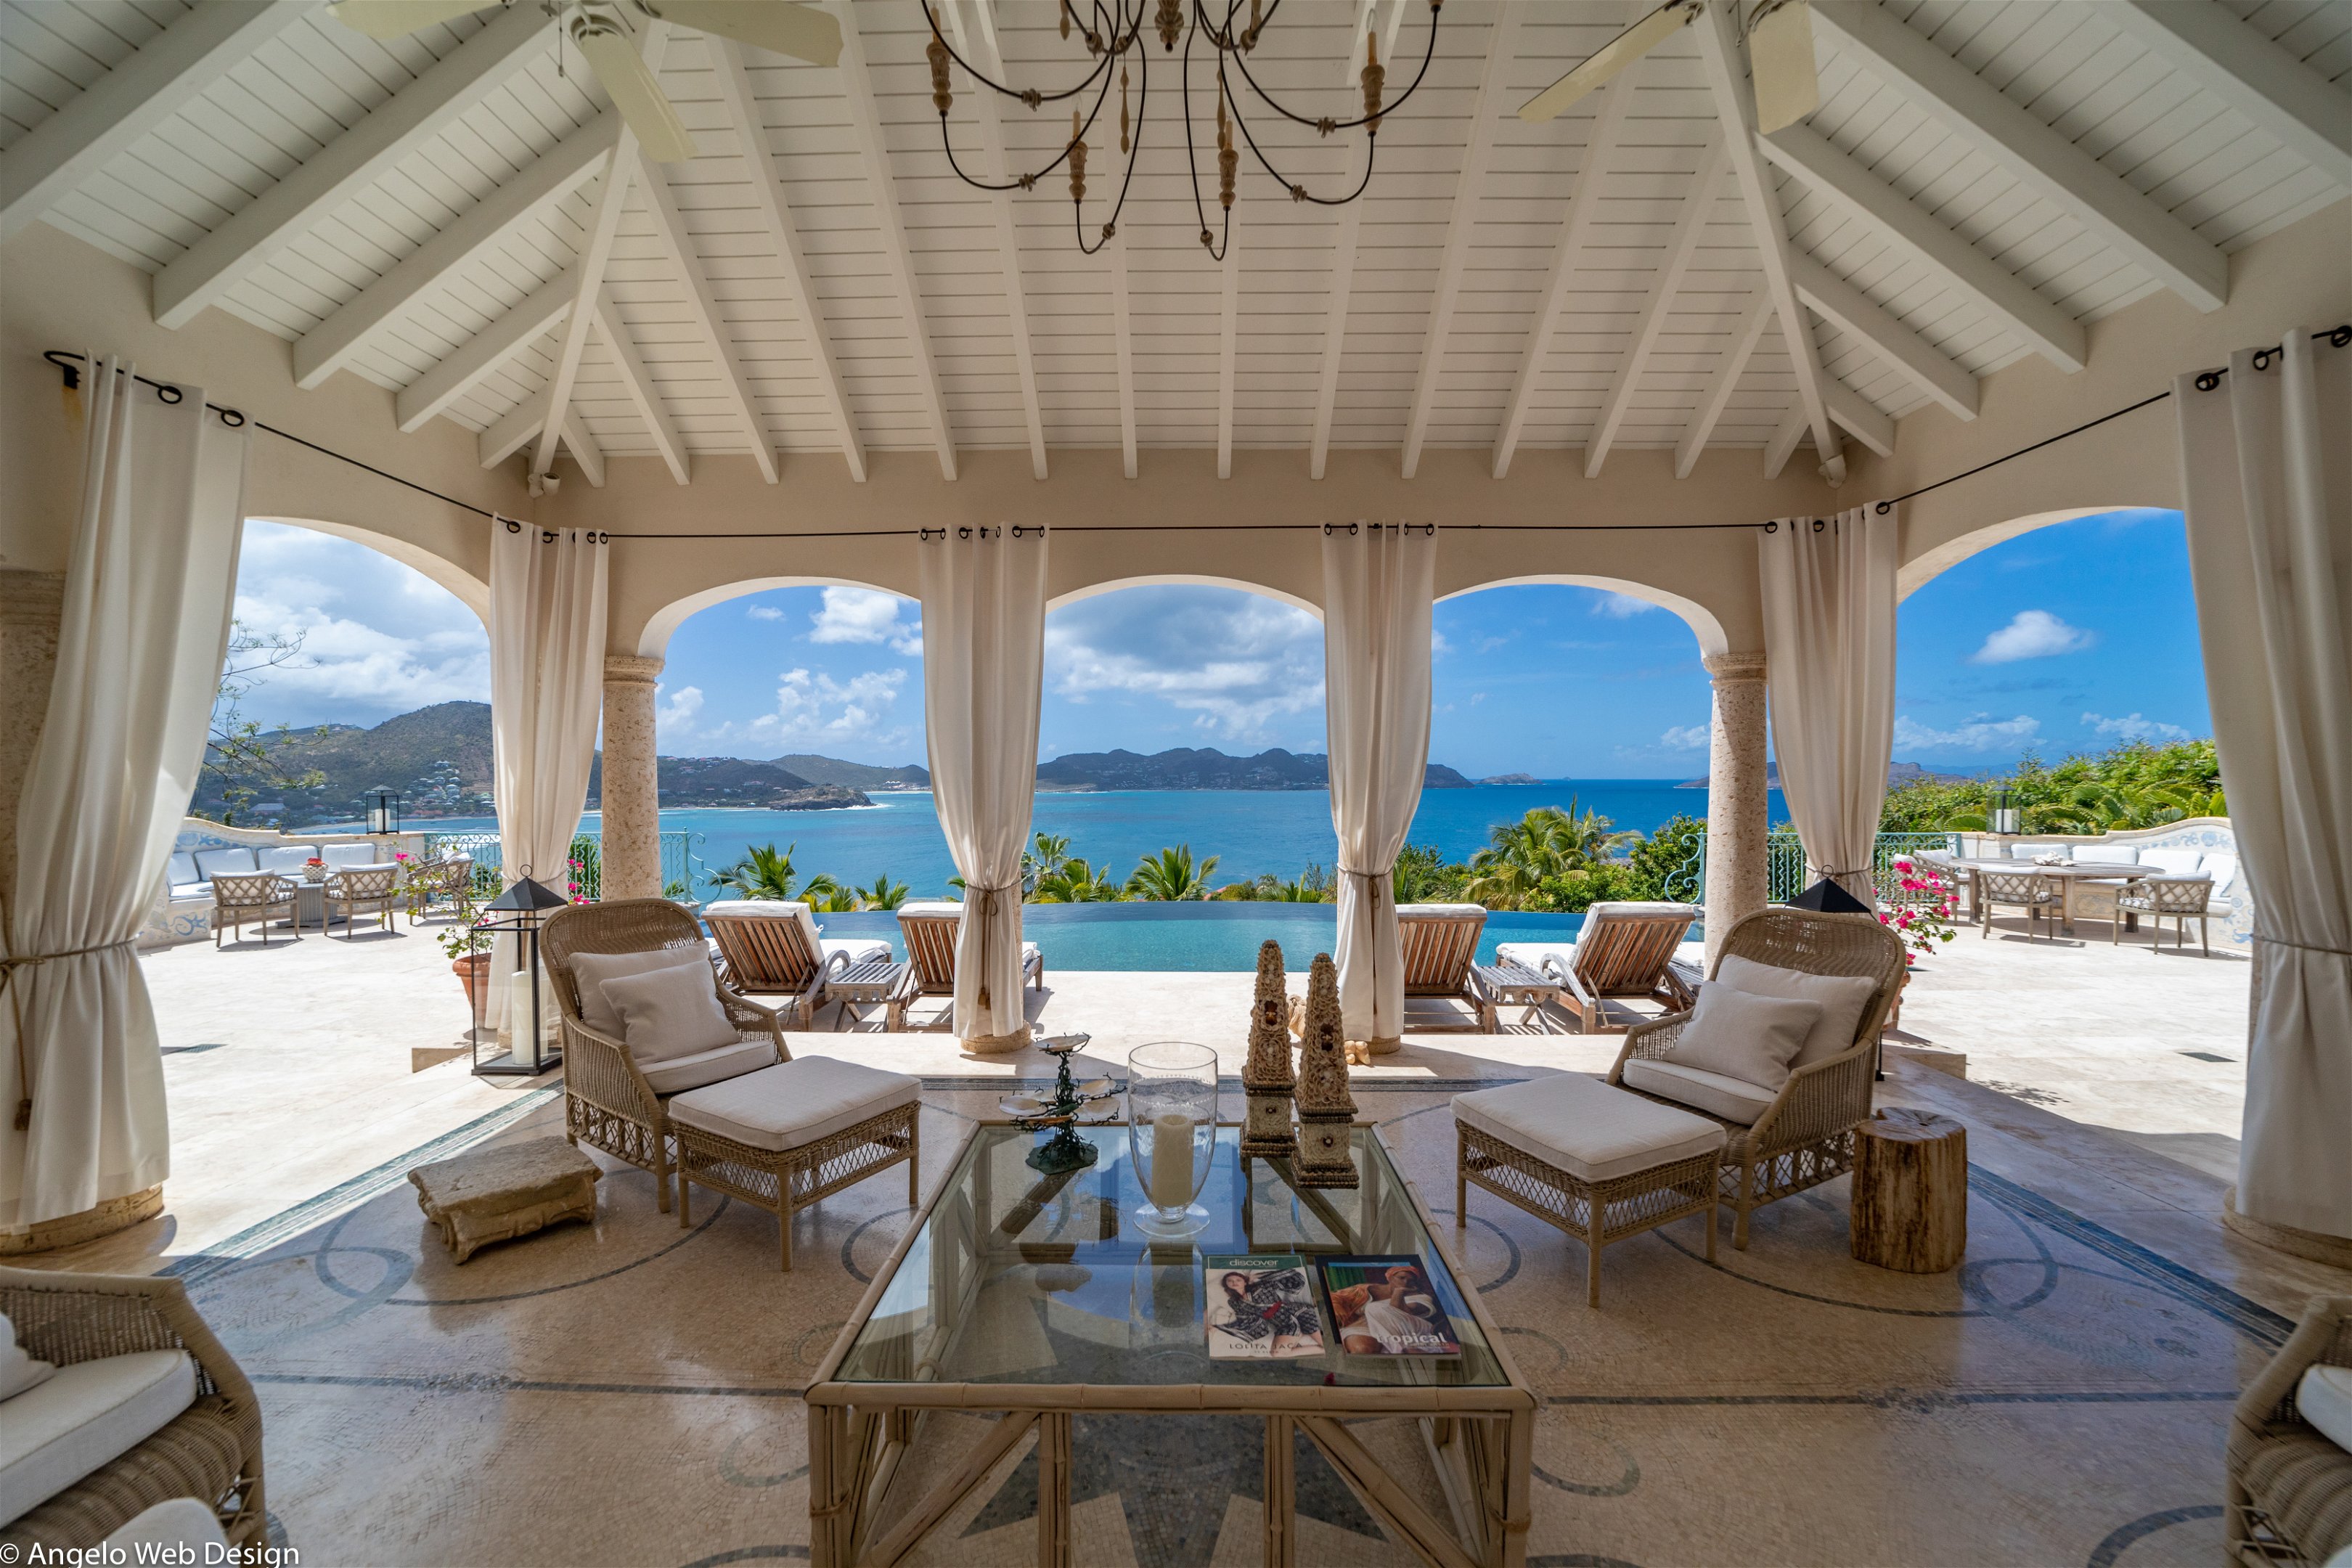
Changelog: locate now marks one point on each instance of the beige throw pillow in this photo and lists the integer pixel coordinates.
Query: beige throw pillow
(1843, 998)
(672, 1012)
(591, 971)
(1741, 1035)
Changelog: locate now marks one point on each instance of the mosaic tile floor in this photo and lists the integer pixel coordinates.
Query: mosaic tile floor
(625, 1393)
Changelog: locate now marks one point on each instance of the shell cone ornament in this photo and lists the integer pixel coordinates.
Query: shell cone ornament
(1266, 1076)
(1326, 1110)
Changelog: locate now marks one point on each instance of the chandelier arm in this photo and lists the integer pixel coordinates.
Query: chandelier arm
(1191, 158)
(984, 79)
(1371, 146)
(948, 147)
(1135, 146)
(1414, 85)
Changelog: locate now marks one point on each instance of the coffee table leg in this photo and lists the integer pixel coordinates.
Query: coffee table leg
(1053, 1490)
(1280, 1489)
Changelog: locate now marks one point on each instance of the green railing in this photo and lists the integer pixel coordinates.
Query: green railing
(1784, 856)
(681, 867)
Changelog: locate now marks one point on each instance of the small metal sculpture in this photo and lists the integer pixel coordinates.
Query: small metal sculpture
(1326, 1110)
(1266, 1076)
(1064, 1110)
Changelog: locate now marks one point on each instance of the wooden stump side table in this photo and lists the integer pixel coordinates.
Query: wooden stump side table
(1911, 1191)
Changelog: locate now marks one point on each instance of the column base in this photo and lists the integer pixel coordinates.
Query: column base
(2310, 1245)
(73, 1230)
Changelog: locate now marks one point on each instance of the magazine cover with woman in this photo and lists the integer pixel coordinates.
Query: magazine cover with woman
(1261, 1308)
(1386, 1306)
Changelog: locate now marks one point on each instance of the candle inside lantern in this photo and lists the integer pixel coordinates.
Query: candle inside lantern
(1171, 1161)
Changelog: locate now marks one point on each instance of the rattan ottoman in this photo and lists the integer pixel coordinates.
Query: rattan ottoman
(1596, 1160)
(787, 1135)
(496, 1194)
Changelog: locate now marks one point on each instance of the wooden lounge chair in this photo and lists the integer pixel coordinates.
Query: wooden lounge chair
(1626, 951)
(772, 948)
(930, 929)
(1439, 942)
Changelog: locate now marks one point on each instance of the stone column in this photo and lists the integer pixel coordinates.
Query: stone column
(631, 790)
(1738, 807)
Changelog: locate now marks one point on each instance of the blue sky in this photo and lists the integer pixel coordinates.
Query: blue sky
(2068, 638)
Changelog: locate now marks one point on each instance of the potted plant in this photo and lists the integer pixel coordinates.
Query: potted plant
(1923, 919)
(459, 940)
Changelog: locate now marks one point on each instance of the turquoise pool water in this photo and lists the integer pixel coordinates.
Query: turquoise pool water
(1208, 936)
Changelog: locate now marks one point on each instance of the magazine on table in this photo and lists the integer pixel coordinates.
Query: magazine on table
(1262, 1307)
(1387, 1306)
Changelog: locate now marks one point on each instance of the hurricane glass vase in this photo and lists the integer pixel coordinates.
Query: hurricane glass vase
(1171, 1128)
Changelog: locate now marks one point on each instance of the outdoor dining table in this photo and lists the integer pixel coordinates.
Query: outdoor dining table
(2067, 875)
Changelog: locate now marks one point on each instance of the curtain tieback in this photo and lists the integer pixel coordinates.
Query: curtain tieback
(2303, 946)
(1370, 887)
(987, 929)
(9, 964)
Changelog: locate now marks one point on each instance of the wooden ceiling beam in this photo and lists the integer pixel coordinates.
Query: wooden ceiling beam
(643, 394)
(669, 227)
(1916, 359)
(1861, 418)
(1338, 293)
(2251, 74)
(484, 353)
(1682, 244)
(1700, 428)
(989, 55)
(1122, 334)
(1793, 427)
(1229, 319)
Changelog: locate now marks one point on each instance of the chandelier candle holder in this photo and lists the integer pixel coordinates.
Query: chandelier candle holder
(1171, 1128)
(1267, 1076)
(1326, 1110)
(1113, 37)
(1064, 1110)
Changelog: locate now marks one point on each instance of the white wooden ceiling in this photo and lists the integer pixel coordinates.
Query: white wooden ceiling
(1982, 177)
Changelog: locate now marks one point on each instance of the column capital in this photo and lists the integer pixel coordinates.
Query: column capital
(1729, 666)
(626, 667)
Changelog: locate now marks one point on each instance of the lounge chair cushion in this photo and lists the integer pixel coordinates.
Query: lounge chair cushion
(670, 1013)
(1442, 912)
(1594, 1131)
(2323, 1399)
(88, 1415)
(933, 907)
(1745, 1035)
(591, 970)
(1842, 998)
(1712, 1092)
(860, 948)
(2174, 861)
(1532, 954)
(232, 860)
(18, 1370)
(795, 1102)
(181, 1522)
(677, 1074)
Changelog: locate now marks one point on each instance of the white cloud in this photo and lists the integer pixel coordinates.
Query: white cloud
(680, 711)
(1685, 738)
(819, 708)
(1619, 606)
(1476, 698)
(1980, 733)
(867, 615)
(765, 613)
(2136, 726)
(1233, 660)
(1437, 643)
(2032, 634)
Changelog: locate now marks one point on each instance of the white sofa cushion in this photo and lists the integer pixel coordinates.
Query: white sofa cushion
(18, 1370)
(286, 859)
(88, 1415)
(677, 1074)
(2035, 851)
(794, 1102)
(348, 857)
(2174, 860)
(226, 860)
(2323, 1398)
(181, 871)
(1709, 1092)
(2107, 853)
(670, 1012)
(1842, 998)
(1594, 1131)
(2222, 867)
(183, 1522)
(1745, 1035)
(590, 971)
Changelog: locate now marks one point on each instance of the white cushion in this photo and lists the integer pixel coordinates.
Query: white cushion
(2222, 867)
(931, 907)
(231, 860)
(1638, 907)
(672, 1011)
(2323, 1398)
(794, 1102)
(287, 859)
(348, 857)
(590, 971)
(88, 1415)
(183, 1522)
(1594, 1130)
(2033, 851)
(860, 948)
(1843, 998)
(2174, 861)
(18, 1370)
(1531, 954)
(1709, 1092)
(2107, 853)
(183, 870)
(680, 1073)
(1745, 1035)
(1462, 911)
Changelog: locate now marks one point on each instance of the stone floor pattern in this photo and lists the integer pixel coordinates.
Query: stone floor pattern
(626, 1392)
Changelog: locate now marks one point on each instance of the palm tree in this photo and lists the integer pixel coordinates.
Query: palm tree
(763, 873)
(827, 897)
(1073, 881)
(885, 894)
(1547, 842)
(1296, 892)
(1171, 876)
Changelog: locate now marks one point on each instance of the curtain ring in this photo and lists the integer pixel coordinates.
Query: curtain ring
(232, 417)
(2262, 358)
(964, 532)
(1817, 525)
(1772, 527)
(1884, 507)
(2207, 379)
(1327, 528)
(512, 526)
(1353, 529)
(547, 536)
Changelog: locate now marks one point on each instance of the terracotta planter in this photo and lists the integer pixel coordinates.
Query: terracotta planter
(469, 971)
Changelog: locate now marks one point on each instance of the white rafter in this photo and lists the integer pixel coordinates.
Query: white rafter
(1861, 418)
(1690, 227)
(670, 228)
(2032, 153)
(1718, 52)
(159, 79)
(643, 394)
(1887, 212)
(539, 184)
(1122, 332)
(479, 356)
(584, 448)
(523, 424)
(1920, 362)
(275, 220)
(1485, 119)
(768, 193)
(865, 123)
(989, 55)
(1229, 320)
(1792, 427)
(2259, 79)
(1744, 336)
(1342, 288)
(1613, 102)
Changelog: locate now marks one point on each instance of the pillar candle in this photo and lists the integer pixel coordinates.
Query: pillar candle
(1171, 1161)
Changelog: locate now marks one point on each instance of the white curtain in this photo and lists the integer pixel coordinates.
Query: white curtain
(1379, 584)
(2269, 494)
(1829, 674)
(984, 667)
(147, 601)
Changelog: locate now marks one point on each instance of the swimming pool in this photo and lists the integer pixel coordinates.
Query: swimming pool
(1189, 936)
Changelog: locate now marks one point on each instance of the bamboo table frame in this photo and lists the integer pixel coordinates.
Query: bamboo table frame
(1481, 1438)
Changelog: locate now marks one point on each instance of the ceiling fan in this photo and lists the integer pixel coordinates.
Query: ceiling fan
(1780, 49)
(601, 30)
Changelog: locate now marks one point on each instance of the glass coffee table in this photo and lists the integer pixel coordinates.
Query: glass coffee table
(1034, 1297)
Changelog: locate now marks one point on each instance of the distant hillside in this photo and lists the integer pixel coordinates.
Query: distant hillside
(856, 776)
(438, 758)
(1205, 769)
(691, 781)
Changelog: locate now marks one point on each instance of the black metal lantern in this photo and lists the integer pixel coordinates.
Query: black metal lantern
(382, 810)
(519, 913)
(2004, 812)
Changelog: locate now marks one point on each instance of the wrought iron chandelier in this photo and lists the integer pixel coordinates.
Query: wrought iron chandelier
(1116, 32)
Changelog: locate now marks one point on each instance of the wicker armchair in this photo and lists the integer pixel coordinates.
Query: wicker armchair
(1805, 1136)
(259, 897)
(359, 890)
(2290, 1489)
(436, 880)
(2177, 899)
(607, 1102)
(2028, 890)
(210, 1451)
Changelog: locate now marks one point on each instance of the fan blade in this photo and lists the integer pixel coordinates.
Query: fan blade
(662, 136)
(1780, 52)
(803, 32)
(398, 18)
(1609, 59)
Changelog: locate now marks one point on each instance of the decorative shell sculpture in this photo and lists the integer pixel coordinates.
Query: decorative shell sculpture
(1266, 1076)
(1326, 1110)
